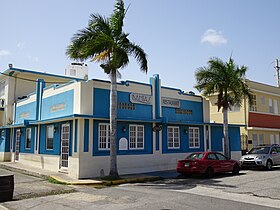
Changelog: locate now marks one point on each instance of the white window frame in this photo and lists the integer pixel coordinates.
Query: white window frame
(270, 109)
(171, 138)
(2, 87)
(275, 106)
(192, 137)
(136, 139)
(261, 139)
(28, 138)
(254, 139)
(272, 141)
(253, 106)
(47, 136)
(105, 137)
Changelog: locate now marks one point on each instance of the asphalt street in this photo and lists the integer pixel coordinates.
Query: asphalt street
(252, 189)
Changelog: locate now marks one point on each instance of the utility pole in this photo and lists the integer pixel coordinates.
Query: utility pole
(277, 72)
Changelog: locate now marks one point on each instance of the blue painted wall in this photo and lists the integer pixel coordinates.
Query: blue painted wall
(25, 112)
(217, 135)
(65, 98)
(184, 140)
(101, 103)
(5, 141)
(56, 142)
(148, 140)
(196, 107)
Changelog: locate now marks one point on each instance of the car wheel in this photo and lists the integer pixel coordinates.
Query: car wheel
(209, 173)
(269, 165)
(235, 169)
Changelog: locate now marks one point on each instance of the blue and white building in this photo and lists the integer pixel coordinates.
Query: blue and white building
(65, 127)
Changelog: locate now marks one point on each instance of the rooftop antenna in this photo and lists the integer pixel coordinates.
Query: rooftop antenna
(277, 72)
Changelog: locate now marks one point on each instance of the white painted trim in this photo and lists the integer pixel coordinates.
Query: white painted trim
(210, 140)
(136, 137)
(205, 138)
(173, 137)
(260, 91)
(107, 136)
(195, 128)
(263, 129)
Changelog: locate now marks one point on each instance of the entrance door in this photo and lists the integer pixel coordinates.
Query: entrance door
(17, 146)
(64, 154)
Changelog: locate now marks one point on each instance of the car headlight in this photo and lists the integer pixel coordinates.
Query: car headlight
(260, 157)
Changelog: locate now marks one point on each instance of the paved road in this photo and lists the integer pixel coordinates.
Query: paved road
(249, 190)
(30, 186)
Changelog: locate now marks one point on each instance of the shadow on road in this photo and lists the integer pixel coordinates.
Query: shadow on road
(180, 182)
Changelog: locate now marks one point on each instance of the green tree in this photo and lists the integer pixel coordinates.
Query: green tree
(104, 41)
(227, 81)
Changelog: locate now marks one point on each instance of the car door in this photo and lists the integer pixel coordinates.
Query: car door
(277, 156)
(226, 165)
(212, 161)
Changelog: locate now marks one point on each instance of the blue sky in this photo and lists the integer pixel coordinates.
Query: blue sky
(179, 36)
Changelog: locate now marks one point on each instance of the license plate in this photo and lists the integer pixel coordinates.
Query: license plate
(187, 164)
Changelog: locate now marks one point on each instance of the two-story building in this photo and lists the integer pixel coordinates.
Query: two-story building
(261, 119)
(66, 127)
(16, 84)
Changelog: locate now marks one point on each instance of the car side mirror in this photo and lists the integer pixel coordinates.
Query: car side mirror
(274, 153)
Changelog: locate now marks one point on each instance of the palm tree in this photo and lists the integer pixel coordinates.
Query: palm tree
(227, 80)
(104, 41)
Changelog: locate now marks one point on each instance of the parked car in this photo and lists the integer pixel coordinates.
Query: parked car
(262, 156)
(207, 163)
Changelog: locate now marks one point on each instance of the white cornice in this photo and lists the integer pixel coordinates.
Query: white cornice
(263, 129)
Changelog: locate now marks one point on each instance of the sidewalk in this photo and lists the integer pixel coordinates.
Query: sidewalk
(65, 179)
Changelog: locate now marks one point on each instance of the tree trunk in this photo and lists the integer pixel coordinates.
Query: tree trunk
(113, 127)
(225, 129)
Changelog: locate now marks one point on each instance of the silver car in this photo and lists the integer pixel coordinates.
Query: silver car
(264, 156)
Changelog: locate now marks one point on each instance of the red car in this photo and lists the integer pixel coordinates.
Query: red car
(207, 163)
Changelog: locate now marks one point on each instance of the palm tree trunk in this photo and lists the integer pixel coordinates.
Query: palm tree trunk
(113, 126)
(225, 128)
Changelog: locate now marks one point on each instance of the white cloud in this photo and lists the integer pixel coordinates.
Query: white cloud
(4, 53)
(21, 45)
(34, 59)
(213, 37)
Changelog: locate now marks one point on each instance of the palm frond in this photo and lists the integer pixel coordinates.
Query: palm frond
(116, 19)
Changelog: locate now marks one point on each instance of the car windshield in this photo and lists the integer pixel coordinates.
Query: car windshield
(259, 150)
(195, 156)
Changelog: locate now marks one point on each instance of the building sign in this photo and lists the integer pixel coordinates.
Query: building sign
(170, 102)
(123, 145)
(140, 98)
(24, 115)
(57, 107)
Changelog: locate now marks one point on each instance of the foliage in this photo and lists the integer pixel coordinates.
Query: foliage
(225, 79)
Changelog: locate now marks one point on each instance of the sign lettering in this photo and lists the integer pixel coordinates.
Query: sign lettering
(170, 102)
(140, 98)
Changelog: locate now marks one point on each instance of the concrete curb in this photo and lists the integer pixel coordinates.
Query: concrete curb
(98, 182)
(107, 183)
(23, 171)
(80, 182)
(132, 180)
(3, 207)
